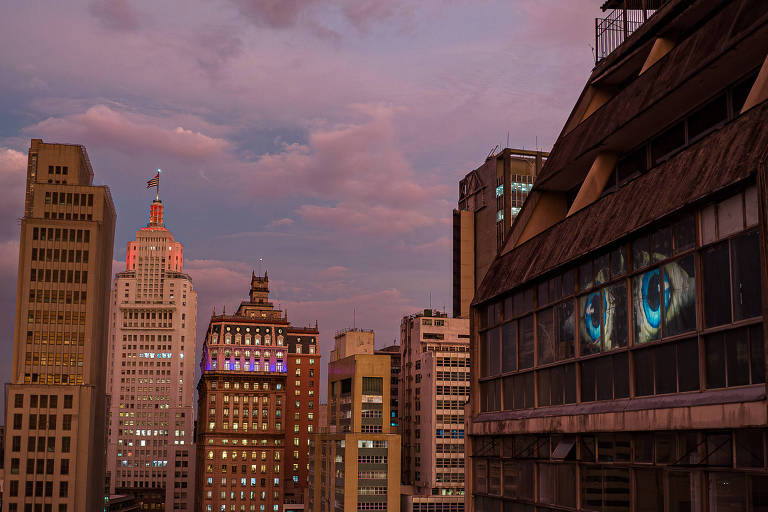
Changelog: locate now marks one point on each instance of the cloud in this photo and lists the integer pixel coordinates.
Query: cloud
(273, 13)
(13, 175)
(102, 125)
(281, 222)
(115, 14)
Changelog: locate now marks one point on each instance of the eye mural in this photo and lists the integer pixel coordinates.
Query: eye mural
(664, 301)
(603, 319)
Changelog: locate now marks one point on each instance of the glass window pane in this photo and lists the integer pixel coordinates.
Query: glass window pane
(484, 355)
(568, 283)
(585, 276)
(527, 384)
(604, 378)
(544, 387)
(588, 381)
(757, 356)
(649, 491)
(684, 234)
(592, 488)
(750, 452)
(509, 393)
(719, 449)
(547, 483)
(715, 353)
(737, 357)
(717, 286)
(618, 262)
(602, 268)
(730, 216)
(683, 497)
(665, 447)
(621, 375)
(747, 299)
(557, 385)
(591, 312)
(546, 335)
(518, 479)
(661, 241)
(526, 342)
(708, 225)
(646, 306)
(494, 351)
(679, 296)
(750, 205)
(564, 315)
(641, 254)
(566, 485)
(616, 320)
(480, 467)
(643, 372)
(569, 380)
(509, 347)
(665, 372)
(543, 294)
(494, 476)
(688, 365)
(643, 448)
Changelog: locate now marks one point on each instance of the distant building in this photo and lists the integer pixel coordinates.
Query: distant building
(490, 198)
(56, 400)
(618, 339)
(151, 453)
(434, 391)
(121, 503)
(257, 408)
(393, 351)
(356, 466)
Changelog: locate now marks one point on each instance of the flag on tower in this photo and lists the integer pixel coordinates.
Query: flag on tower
(154, 182)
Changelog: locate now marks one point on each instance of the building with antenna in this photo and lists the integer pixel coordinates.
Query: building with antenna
(151, 368)
(490, 198)
(258, 406)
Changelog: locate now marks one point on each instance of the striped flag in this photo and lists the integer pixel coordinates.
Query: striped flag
(154, 182)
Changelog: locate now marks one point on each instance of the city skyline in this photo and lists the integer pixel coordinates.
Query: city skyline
(395, 110)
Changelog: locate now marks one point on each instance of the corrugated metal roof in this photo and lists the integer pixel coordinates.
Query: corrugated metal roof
(727, 156)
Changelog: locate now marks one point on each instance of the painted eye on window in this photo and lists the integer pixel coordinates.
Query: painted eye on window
(594, 316)
(667, 292)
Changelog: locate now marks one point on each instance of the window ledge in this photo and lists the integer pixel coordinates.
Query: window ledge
(753, 393)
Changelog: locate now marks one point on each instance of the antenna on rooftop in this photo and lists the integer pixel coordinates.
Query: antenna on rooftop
(507, 138)
(430, 300)
(354, 318)
(492, 151)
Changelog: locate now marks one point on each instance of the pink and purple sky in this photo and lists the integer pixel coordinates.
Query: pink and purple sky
(325, 136)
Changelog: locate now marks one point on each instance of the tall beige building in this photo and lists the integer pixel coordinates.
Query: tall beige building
(355, 465)
(151, 372)
(55, 439)
(433, 393)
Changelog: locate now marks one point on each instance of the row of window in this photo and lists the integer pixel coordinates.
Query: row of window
(58, 296)
(63, 255)
(55, 276)
(36, 489)
(62, 234)
(42, 401)
(74, 199)
(40, 466)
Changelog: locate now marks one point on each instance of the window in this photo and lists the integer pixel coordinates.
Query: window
(667, 368)
(605, 378)
(735, 358)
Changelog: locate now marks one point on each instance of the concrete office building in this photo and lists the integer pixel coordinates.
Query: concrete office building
(490, 198)
(356, 465)
(55, 439)
(434, 391)
(620, 334)
(151, 452)
(257, 408)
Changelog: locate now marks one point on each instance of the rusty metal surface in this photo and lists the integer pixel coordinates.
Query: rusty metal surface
(726, 157)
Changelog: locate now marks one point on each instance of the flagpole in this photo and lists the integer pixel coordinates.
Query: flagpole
(157, 188)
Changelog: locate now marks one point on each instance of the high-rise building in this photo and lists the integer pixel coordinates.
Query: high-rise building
(490, 197)
(434, 391)
(356, 464)
(151, 370)
(55, 440)
(619, 337)
(258, 406)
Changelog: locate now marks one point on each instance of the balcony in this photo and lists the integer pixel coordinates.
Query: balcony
(623, 19)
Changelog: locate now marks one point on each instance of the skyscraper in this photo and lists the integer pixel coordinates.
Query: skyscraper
(257, 408)
(151, 372)
(434, 391)
(55, 440)
(490, 198)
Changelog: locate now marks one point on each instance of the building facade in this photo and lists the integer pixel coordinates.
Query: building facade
(620, 335)
(355, 466)
(434, 392)
(257, 408)
(151, 452)
(490, 197)
(395, 366)
(55, 412)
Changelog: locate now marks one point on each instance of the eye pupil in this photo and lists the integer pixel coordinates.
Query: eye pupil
(653, 289)
(595, 313)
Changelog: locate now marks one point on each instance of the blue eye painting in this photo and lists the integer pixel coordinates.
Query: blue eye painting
(603, 322)
(594, 315)
(664, 299)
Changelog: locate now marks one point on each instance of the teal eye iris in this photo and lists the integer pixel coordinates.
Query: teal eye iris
(652, 297)
(593, 315)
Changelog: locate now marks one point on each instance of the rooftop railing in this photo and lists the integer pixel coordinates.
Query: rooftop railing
(621, 22)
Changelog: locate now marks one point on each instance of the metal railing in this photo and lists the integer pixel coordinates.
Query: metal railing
(614, 29)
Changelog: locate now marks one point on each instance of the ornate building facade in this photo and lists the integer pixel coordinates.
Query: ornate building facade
(258, 406)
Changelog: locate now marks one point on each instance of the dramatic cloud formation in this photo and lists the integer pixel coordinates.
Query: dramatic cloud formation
(321, 139)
